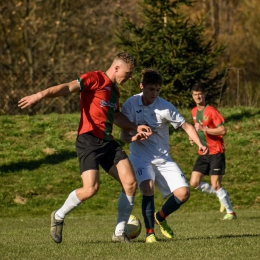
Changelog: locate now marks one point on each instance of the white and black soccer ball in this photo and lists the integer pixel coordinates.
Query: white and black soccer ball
(133, 227)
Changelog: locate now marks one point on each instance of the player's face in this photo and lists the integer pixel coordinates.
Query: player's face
(198, 97)
(150, 93)
(123, 73)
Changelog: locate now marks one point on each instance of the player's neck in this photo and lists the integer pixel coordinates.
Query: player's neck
(110, 76)
(200, 106)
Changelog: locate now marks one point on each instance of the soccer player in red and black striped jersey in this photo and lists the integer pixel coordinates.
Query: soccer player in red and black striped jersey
(95, 145)
(209, 124)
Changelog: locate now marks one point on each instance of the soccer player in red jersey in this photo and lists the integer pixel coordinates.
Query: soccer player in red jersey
(95, 145)
(209, 124)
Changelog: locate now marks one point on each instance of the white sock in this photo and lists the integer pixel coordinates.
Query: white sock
(224, 199)
(205, 187)
(125, 207)
(71, 203)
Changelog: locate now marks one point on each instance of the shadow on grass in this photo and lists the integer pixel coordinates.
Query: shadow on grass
(35, 164)
(240, 116)
(236, 236)
(223, 236)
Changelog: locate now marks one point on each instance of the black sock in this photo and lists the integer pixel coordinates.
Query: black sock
(171, 205)
(148, 211)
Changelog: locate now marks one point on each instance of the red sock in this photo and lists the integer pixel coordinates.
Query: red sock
(149, 231)
(162, 214)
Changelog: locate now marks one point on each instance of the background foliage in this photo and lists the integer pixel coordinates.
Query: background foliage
(168, 41)
(40, 40)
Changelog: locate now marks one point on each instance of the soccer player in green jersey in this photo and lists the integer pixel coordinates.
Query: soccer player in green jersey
(209, 124)
(99, 104)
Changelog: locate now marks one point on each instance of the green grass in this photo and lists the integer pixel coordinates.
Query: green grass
(39, 168)
(198, 235)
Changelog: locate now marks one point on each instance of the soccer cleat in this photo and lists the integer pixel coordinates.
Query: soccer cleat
(230, 216)
(121, 239)
(151, 239)
(56, 228)
(165, 229)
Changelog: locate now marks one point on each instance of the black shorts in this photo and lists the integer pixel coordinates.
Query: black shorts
(214, 164)
(93, 151)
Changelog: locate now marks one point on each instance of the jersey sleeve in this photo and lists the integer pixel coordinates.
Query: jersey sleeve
(193, 114)
(88, 81)
(174, 117)
(217, 118)
(127, 110)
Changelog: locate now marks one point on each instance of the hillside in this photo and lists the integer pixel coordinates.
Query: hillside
(39, 167)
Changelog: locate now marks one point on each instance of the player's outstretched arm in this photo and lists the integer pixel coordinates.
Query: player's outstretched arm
(55, 91)
(189, 129)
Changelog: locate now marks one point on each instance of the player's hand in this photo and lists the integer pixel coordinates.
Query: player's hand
(31, 100)
(198, 127)
(144, 128)
(141, 136)
(203, 149)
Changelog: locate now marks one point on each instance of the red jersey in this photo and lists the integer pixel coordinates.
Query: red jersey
(99, 100)
(211, 118)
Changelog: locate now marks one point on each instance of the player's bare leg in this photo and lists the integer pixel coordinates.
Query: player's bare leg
(196, 182)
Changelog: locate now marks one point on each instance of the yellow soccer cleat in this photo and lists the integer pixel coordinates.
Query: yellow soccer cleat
(230, 216)
(151, 239)
(165, 229)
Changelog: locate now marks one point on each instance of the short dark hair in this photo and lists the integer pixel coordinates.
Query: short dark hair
(127, 58)
(198, 87)
(151, 77)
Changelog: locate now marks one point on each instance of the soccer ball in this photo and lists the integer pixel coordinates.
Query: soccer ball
(133, 227)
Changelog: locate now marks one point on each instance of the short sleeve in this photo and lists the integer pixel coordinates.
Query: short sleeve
(218, 119)
(88, 81)
(127, 110)
(174, 117)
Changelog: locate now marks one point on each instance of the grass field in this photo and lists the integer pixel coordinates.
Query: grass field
(38, 169)
(198, 235)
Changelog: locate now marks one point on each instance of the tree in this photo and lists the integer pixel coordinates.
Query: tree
(169, 42)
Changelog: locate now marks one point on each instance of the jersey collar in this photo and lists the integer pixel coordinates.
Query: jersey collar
(140, 101)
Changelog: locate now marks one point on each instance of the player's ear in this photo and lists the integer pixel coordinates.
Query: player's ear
(141, 86)
(117, 68)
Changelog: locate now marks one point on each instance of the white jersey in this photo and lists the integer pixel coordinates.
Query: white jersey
(158, 116)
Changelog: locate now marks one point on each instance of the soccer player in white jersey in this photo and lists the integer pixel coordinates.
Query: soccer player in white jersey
(150, 158)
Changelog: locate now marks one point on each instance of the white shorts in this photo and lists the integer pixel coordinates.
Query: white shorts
(166, 175)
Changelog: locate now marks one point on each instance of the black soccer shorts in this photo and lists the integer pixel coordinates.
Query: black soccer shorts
(214, 164)
(93, 151)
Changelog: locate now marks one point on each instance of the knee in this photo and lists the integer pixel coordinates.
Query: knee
(216, 187)
(183, 195)
(147, 188)
(130, 188)
(196, 178)
(147, 191)
(87, 193)
(194, 183)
